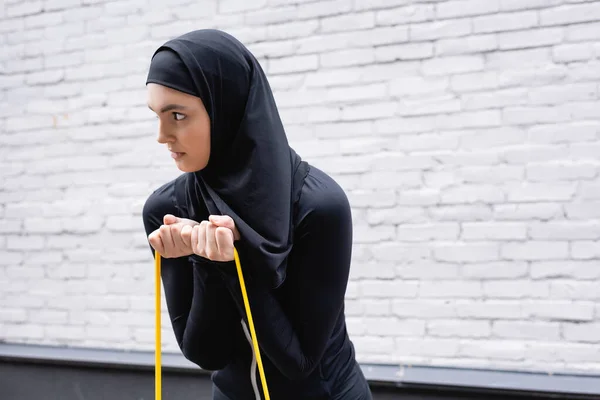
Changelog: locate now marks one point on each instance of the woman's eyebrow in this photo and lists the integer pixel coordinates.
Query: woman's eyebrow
(170, 107)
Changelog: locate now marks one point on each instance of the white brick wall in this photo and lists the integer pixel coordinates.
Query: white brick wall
(466, 133)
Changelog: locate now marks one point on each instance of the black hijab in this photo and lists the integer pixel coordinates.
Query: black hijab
(253, 175)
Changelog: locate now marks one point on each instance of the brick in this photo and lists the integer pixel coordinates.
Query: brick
(590, 191)
(46, 77)
(534, 115)
(550, 172)
(343, 129)
(449, 289)
(322, 8)
(418, 197)
(235, 6)
(439, 29)
(427, 270)
(433, 105)
(376, 307)
(405, 15)
(388, 289)
(372, 234)
(516, 289)
(585, 250)
(559, 94)
(374, 344)
(440, 179)
(50, 5)
(495, 270)
(471, 119)
(293, 64)
(48, 316)
(452, 65)
(377, 4)
(418, 86)
(471, 44)
(343, 58)
(29, 242)
(486, 309)
(392, 252)
(396, 215)
(581, 332)
(526, 330)
(466, 252)
(573, 52)
(424, 309)
(493, 231)
(535, 250)
(505, 22)
(583, 32)
(463, 8)
(533, 38)
(292, 30)
(510, 5)
(487, 174)
(372, 271)
(412, 142)
(573, 269)
(44, 19)
(532, 61)
(560, 310)
(409, 51)
(472, 194)
(458, 328)
(369, 111)
(540, 192)
(568, 230)
(21, 9)
(570, 14)
(495, 99)
(573, 290)
(348, 22)
(427, 232)
(474, 81)
(584, 151)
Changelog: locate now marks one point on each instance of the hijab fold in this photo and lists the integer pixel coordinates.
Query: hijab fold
(252, 175)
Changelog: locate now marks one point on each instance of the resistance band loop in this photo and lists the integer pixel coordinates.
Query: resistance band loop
(157, 370)
(157, 324)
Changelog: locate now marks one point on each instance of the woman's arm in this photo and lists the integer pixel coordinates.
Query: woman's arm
(200, 307)
(295, 338)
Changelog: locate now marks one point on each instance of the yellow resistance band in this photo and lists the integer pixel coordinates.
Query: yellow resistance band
(157, 369)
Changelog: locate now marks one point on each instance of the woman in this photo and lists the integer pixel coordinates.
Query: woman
(291, 223)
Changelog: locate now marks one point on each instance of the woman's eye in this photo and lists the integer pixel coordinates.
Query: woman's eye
(178, 116)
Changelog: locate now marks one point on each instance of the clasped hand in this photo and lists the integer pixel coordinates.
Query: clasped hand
(179, 237)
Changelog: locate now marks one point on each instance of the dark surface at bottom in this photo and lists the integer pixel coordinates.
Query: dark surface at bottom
(23, 381)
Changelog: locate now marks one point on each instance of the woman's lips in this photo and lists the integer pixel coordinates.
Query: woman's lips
(177, 155)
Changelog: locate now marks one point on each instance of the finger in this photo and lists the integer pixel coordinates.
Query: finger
(186, 235)
(156, 242)
(167, 240)
(177, 239)
(197, 245)
(224, 238)
(201, 246)
(212, 251)
(170, 219)
(225, 221)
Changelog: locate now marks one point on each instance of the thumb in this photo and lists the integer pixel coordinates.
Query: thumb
(222, 220)
(170, 219)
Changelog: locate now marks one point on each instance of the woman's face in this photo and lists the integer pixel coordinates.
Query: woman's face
(184, 126)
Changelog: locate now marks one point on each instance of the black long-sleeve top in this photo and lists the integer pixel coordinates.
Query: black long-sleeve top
(300, 326)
